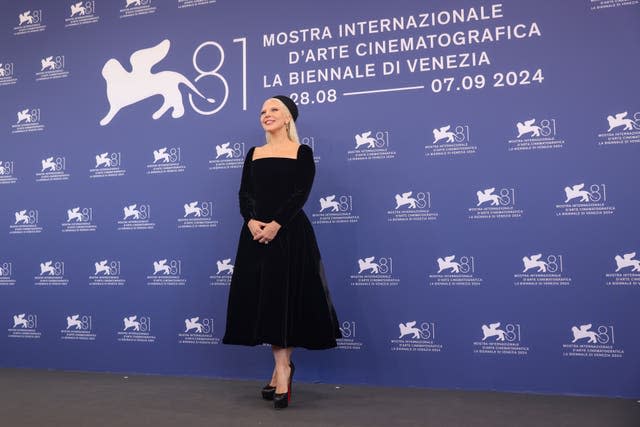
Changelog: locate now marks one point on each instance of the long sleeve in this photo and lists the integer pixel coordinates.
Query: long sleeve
(246, 193)
(305, 172)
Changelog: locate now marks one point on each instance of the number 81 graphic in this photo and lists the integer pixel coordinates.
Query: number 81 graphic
(214, 73)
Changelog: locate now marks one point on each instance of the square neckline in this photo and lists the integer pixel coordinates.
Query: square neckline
(286, 158)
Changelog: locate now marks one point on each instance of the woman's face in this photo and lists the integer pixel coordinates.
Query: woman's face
(273, 116)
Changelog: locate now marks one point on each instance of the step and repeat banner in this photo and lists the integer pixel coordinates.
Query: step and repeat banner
(475, 199)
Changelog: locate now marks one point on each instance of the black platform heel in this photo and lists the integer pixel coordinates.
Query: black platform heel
(268, 392)
(281, 400)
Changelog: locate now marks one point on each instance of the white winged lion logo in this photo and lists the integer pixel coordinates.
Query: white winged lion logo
(125, 88)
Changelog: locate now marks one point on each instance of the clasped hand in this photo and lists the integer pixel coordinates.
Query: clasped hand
(263, 232)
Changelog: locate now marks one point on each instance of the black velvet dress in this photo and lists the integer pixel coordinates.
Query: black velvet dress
(278, 292)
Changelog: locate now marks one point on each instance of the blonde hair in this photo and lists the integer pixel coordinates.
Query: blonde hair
(292, 130)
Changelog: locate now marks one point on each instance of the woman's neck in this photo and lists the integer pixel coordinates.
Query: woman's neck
(279, 138)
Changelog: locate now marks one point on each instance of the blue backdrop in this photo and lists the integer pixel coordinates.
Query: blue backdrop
(474, 199)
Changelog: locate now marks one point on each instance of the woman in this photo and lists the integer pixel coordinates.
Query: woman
(278, 291)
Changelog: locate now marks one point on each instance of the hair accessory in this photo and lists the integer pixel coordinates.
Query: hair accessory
(291, 106)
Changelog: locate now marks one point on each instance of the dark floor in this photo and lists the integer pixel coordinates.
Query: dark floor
(42, 398)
